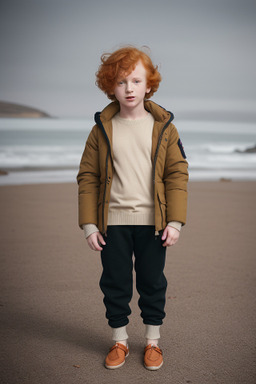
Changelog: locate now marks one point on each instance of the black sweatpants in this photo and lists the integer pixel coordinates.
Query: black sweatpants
(116, 283)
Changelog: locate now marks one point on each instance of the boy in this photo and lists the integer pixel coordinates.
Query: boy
(132, 197)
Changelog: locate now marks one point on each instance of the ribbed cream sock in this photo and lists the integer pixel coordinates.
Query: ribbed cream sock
(120, 335)
(152, 332)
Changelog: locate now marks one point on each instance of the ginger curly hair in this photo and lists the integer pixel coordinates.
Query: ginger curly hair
(123, 61)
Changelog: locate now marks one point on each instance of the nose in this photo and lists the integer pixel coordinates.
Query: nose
(129, 87)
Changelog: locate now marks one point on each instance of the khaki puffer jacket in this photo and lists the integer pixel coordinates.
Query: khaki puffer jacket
(170, 175)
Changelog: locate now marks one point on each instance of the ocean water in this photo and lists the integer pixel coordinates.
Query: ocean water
(49, 150)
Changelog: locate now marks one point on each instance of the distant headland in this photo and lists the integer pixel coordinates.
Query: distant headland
(18, 110)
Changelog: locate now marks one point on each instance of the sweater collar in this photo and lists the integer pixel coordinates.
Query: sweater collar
(159, 113)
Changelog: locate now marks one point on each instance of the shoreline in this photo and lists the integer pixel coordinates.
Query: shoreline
(58, 175)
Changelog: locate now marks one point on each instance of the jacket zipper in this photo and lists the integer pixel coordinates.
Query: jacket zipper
(156, 154)
(154, 167)
(99, 122)
(161, 211)
(104, 193)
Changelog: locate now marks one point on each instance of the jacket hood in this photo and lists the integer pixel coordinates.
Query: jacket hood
(159, 113)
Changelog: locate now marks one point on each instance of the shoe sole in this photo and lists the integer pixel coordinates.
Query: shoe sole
(153, 368)
(116, 366)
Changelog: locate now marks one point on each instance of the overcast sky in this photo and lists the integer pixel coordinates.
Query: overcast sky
(205, 49)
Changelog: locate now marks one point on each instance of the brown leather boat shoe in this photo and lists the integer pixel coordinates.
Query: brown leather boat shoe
(153, 357)
(116, 356)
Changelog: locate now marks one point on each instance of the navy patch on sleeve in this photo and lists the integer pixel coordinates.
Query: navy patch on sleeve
(181, 149)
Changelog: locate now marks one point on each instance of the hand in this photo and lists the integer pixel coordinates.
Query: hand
(95, 240)
(170, 235)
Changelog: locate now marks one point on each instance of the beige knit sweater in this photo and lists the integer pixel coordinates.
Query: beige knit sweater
(131, 200)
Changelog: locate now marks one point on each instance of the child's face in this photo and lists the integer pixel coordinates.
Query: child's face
(130, 90)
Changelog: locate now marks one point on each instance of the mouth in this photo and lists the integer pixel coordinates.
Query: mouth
(130, 97)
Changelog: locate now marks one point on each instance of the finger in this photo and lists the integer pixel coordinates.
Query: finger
(164, 234)
(101, 240)
(169, 242)
(91, 246)
(96, 245)
(166, 243)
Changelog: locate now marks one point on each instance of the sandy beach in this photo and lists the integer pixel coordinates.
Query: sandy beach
(53, 326)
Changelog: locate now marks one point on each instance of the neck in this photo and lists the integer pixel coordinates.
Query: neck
(133, 113)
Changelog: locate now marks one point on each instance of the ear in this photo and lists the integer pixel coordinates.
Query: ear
(148, 90)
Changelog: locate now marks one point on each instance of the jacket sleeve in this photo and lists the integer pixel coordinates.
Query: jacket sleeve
(88, 180)
(176, 178)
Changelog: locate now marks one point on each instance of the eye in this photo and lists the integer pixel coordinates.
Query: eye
(136, 81)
